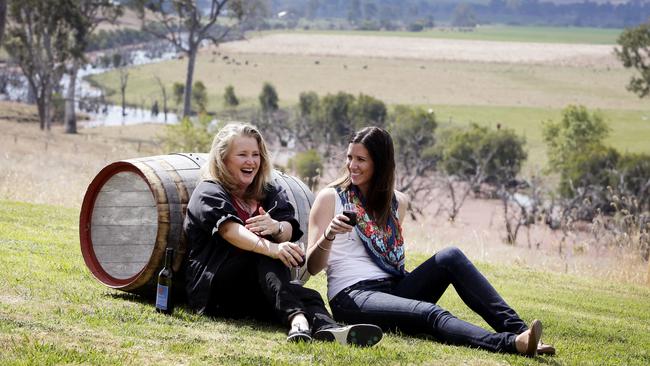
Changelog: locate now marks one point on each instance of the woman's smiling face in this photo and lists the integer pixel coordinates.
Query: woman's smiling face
(360, 166)
(243, 160)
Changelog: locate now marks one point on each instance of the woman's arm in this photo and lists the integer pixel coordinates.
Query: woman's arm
(264, 224)
(323, 228)
(239, 236)
(320, 216)
(402, 205)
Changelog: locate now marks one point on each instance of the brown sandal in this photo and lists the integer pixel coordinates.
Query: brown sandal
(545, 349)
(534, 337)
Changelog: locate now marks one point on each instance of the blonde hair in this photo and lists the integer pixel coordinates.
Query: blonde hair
(215, 168)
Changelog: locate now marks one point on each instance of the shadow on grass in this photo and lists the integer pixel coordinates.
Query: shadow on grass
(262, 325)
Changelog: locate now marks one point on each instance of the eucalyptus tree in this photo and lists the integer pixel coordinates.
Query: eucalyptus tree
(635, 53)
(91, 13)
(186, 24)
(38, 39)
(413, 131)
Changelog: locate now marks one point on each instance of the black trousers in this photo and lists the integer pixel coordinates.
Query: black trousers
(254, 285)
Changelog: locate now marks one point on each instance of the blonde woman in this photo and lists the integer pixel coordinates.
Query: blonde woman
(240, 229)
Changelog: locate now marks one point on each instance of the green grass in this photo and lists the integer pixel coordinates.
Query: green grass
(571, 35)
(52, 311)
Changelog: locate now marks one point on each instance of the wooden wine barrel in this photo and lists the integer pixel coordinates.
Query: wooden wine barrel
(134, 209)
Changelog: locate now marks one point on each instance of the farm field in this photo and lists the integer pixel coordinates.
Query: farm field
(573, 35)
(519, 85)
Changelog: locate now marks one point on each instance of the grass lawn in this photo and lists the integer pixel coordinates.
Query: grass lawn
(507, 33)
(53, 312)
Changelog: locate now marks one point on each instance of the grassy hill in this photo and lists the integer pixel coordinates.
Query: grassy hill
(53, 312)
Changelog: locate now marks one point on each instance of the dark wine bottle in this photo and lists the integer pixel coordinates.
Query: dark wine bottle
(164, 300)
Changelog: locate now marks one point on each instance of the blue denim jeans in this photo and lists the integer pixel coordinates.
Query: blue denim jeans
(409, 304)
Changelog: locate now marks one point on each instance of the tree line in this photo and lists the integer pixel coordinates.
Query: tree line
(393, 13)
(447, 164)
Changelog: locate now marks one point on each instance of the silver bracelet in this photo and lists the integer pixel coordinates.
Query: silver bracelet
(322, 248)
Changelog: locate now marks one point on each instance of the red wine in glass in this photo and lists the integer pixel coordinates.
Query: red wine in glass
(352, 217)
(350, 211)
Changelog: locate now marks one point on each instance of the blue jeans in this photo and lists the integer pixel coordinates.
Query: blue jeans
(409, 304)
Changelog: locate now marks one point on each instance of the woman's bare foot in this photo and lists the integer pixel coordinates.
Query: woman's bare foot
(526, 343)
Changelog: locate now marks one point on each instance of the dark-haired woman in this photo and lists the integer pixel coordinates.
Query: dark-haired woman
(240, 227)
(365, 269)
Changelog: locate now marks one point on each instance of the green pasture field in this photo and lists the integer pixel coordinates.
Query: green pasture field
(572, 35)
(52, 311)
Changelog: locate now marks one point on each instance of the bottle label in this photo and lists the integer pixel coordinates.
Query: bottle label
(162, 297)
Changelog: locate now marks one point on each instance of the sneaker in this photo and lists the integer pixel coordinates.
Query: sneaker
(362, 335)
(297, 334)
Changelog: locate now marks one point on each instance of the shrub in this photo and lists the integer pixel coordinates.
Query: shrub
(412, 129)
(268, 98)
(633, 178)
(308, 165)
(368, 111)
(178, 89)
(189, 136)
(200, 96)
(229, 97)
(480, 155)
(336, 117)
(58, 107)
(577, 132)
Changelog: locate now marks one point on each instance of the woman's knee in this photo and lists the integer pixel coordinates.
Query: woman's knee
(450, 255)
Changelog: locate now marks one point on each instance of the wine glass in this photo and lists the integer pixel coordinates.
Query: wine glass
(350, 211)
(296, 272)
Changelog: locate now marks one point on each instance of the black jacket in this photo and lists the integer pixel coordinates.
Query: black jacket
(210, 206)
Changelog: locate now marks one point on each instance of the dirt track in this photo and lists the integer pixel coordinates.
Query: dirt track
(579, 55)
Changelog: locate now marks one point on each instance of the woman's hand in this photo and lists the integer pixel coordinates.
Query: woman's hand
(338, 225)
(263, 224)
(289, 253)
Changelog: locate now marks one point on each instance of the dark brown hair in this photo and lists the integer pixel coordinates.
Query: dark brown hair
(382, 183)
